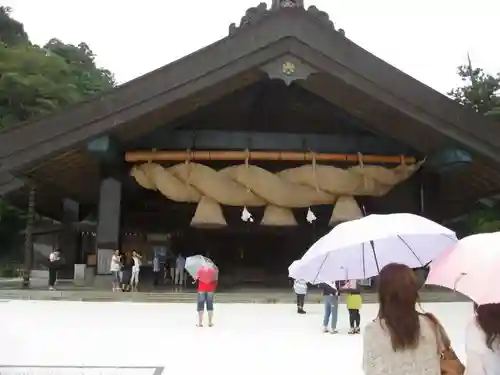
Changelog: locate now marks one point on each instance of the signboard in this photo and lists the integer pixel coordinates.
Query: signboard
(157, 237)
(74, 370)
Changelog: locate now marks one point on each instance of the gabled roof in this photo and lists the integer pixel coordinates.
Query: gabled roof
(351, 76)
(293, 31)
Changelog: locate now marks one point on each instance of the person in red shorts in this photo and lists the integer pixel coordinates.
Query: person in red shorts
(207, 283)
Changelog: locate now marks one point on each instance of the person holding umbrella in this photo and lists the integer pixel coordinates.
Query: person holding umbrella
(207, 283)
(482, 340)
(205, 272)
(469, 267)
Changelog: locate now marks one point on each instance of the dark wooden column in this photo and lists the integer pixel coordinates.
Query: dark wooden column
(109, 219)
(109, 155)
(28, 237)
(68, 238)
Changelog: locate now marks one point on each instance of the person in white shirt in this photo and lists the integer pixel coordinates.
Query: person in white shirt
(115, 268)
(180, 263)
(54, 263)
(136, 268)
(300, 289)
(156, 270)
(482, 341)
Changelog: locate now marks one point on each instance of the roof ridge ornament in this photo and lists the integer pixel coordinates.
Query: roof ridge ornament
(256, 14)
(323, 17)
(278, 4)
(251, 17)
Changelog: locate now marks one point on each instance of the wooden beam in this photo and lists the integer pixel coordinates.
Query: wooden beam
(165, 138)
(166, 156)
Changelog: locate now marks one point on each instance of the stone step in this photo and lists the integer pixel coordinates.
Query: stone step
(189, 297)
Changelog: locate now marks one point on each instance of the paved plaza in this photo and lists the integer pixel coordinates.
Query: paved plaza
(64, 337)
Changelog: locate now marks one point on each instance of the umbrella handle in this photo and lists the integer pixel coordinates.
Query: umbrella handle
(458, 280)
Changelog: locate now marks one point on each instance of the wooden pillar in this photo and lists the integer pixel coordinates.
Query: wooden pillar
(28, 239)
(68, 238)
(109, 220)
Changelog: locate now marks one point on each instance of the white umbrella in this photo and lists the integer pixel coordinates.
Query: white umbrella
(358, 249)
(293, 267)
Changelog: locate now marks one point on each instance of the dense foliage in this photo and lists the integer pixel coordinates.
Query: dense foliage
(480, 91)
(36, 81)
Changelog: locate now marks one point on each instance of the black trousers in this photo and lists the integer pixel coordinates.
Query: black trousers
(354, 318)
(52, 276)
(300, 300)
(156, 278)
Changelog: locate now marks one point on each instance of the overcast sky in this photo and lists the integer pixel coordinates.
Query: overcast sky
(427, 39)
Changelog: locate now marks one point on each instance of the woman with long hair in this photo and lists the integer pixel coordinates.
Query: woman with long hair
(482, 341)
(400, 340)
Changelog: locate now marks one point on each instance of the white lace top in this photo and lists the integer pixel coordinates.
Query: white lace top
(380, 359)
(481, 360)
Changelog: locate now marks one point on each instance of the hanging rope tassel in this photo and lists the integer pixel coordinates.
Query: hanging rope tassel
(247, 164)
(246, 216)
(150, 159)
(190, 167)
(314, 171)
(362, 165)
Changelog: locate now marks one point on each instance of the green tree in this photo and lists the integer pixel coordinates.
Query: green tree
(88, 78)
(481, 91)
(37, 81)
(484, 220)
(33, 83)
(11, 31)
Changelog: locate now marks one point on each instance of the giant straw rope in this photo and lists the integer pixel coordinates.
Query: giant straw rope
(250, 185)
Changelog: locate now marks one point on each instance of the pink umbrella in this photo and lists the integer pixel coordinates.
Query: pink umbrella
(470, 267)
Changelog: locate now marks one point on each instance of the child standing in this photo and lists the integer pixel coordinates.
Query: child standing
(300, 288)
(354, 302)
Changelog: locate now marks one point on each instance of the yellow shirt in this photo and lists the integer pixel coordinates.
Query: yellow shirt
(354, 301)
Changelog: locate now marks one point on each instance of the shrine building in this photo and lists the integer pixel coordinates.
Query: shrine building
(248, 150)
